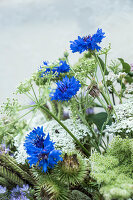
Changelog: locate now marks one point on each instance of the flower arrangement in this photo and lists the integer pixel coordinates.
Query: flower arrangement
(68, 132)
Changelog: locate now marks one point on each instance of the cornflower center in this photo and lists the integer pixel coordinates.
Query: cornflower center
(86, 37)
(63, 88)
(43, 156)
(39, 142)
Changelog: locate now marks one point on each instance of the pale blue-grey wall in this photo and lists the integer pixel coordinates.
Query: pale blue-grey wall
(35, 30)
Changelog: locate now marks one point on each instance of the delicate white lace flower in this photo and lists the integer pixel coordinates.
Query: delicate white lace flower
(61, 138)
(111, 77)
(20, 154)
(129, 90)
(124, 110)
(125, 116)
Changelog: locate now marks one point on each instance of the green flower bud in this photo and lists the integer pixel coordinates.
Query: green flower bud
(73, 169)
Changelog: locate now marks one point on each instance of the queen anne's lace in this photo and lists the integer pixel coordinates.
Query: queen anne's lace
(125, 116)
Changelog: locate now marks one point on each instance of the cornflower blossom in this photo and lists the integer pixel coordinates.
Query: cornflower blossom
(41, 150)
(61, 67)
(3, 149)
(87, 43)
(2, 189)
(66, 89)
(19, 193)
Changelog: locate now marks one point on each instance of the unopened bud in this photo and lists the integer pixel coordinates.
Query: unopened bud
(110, 107)
(66, 54)
(100, 86)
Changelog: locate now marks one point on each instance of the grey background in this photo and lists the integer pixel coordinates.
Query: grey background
(35, 30)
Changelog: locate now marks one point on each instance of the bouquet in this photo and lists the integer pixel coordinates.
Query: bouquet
(68, 132)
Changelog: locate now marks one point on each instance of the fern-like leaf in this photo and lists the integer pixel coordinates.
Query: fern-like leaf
(10, 176)
(11, 163)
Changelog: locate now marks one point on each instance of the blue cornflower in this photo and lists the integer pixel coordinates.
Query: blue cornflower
(3, 149)
(2, 189)
(19, 193)
(87, 43)
(98, 36)
(41, 150)
(62, 67)
(47, 69)
(66, 89)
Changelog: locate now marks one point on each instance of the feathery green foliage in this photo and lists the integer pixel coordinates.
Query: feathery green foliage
(114, 170)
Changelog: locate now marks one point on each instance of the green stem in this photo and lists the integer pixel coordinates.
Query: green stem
(102, 75)
(82, 117)
(34, 92)
(53, 107)
(59, 110)
(117, 94)
(113, 98)
(105, 64)
(89, 78)
(30, 97)
(26, 107)
(105, 108)
(121, 92)
(105, 146)
(105, 97)
(70, 133)
(18, 118)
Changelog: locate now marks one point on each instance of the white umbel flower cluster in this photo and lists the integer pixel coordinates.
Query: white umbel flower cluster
(125, 116)
(129, 90)
(20, 154)
(113, 77)
(61, 138)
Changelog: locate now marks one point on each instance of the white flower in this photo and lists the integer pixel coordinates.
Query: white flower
(20, 154)
(124, 113)
(111, 77)
(61, 138)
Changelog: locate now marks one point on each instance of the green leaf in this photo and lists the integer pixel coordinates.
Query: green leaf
(99, 119)
(123, 85)
(125, 66)
(129, 79)
(103, 65)
(130, 74)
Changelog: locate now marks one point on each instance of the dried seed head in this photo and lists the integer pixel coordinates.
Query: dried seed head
(94, 90)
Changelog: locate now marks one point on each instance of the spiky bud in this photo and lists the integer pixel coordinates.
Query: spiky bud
(49, 188)
(73, 169)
